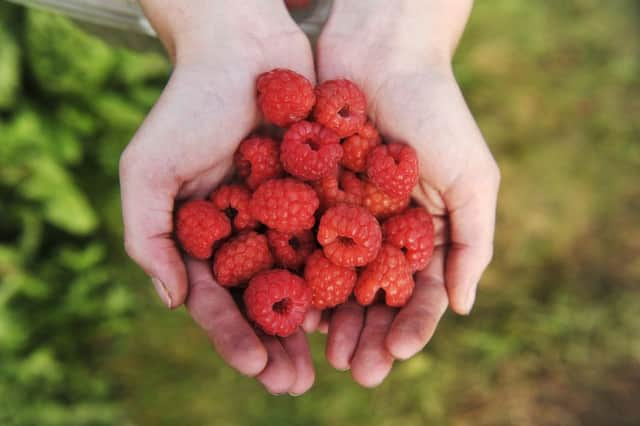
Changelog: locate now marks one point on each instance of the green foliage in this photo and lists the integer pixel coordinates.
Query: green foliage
(65, 299)
(9, 69)
(65, 61)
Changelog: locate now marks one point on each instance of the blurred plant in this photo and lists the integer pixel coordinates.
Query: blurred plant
(67, 107)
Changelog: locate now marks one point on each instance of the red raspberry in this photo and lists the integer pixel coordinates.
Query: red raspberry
(277, 301)
(389, 272)
(284, 96)
(240, 258)
(339, 187)
(233, 200)
(297, 4)
(350, 235)
(291, 250)
(285, 205)
(330, 284)
(199, 225)
(341, 106)
(310, 151)
(380, 204)
(412, 232)
(357, 147)
(258, 160)
(394, 169)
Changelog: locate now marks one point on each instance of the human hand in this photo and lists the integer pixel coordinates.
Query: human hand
(400, 54)
(185, 148)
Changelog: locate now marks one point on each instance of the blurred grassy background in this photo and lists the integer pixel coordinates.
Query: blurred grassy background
(555, 336)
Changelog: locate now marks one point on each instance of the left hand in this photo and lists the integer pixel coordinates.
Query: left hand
(400, 54)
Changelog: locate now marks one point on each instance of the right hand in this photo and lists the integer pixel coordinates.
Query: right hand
(185, 148)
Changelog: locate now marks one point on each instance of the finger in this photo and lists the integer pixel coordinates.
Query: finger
(344, 331)
(280, 373)
(311, 320)
(215, 311)
(147, 206)
(472, 227)
(372, 361)
(297, 348)
(415, 323)
(440, 230)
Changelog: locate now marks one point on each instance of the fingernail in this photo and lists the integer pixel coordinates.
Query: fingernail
(471, 298)
(161, 289)
(294, 394)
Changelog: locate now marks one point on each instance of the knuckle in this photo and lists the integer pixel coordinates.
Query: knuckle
(495, 174)
(488, 255)
(127, 162)
(131, 248)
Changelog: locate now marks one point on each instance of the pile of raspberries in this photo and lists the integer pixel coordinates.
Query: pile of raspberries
(316, 217)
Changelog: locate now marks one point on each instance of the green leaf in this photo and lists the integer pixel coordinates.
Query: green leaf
(9, 69)
(64, 205)
(64, 59)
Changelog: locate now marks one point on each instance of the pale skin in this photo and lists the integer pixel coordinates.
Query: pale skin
(400, 54)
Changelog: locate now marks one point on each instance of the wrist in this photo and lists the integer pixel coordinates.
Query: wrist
(428, 29)
(202, 28)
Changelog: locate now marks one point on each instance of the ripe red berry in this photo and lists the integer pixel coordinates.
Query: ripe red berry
(286, 205)
(297, 4)
(240, 258)
(394, 169)
(350, 235)
(339, 187)
(277, 301)
(380, 204)
(389, 272)
(310, 151)
(357, 147)
(291, 250)
(284, 96)
(233, 200)
(330, 284)
(341, 106)
(199, 225)
(258, 160)
(412, 232)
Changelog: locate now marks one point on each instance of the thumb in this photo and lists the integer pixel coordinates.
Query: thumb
(147, 206)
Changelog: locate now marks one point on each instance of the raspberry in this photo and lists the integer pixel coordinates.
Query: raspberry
(297, 4)
(284, 96)
(357, 147)
(341, 106)
(233, 200)
(258, 160)
(394, 169)
(277, 301)
(240, 258)
(389, 272)
(310, 151)
(350, 235)
(285, 205)
(330, 284)
(291, 250)
(339, 187)
(380, 204)
(199, 225)
(412, 232)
